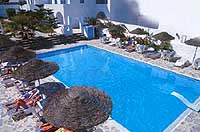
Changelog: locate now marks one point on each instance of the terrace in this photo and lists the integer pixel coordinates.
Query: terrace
(188, 121)
(148, 53)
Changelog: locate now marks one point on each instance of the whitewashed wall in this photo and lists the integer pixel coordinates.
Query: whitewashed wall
(175, 16)
(128, 11)
(181, 16)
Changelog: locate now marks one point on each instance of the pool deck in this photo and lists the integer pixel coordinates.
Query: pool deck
(188, 122)
(30, 123)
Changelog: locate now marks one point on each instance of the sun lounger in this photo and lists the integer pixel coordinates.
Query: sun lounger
(196, 64)
(130, 48)
(112, 42)
(170, 56)
(21, 115)
(8, 82)
(105, 40)
(64, 130)
(46, 127)
(42, 102)
(27, 96)
(3, 65)
(174, 59)
(182, 63)
(152, 55)
(140, 48)
(167, 54)
(24, 87)
(5, 71)
(25, 111)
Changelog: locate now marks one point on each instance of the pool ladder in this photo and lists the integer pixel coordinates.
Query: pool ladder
(186, 102)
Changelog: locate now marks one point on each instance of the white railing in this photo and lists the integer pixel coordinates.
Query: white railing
(186, 102)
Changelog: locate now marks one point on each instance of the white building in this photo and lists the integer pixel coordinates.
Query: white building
(72, 13)
(173, 16)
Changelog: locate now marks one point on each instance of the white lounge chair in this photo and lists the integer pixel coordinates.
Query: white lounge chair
(182, 63)
(140, 48)
(105, 40)
(3, 65)
(113, 42)
(152, 55)
(8, 82)
(196, 64)
(170, 56)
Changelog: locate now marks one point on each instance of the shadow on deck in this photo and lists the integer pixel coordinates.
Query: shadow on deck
(48, 42)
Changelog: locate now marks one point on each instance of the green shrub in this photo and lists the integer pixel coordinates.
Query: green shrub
(91, 21)
(116, 31)
(165, 46)
(45, 29)
(10, 12)
(101, 15)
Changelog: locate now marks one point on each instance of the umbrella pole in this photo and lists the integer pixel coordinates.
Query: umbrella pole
(194, 54)
(39, 82)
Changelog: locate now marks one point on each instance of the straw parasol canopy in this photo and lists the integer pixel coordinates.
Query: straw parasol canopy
(139, 31)
(194, 42)
(77, 108)
(35, 69)
(17, 54)
(163, 36)
(50, 87)
(5, 42)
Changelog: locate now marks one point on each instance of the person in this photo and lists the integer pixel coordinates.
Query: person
(26, 97)
(129, 41)
(24, 102)
(26, 105)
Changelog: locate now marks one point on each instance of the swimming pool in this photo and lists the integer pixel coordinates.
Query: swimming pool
(140, 92)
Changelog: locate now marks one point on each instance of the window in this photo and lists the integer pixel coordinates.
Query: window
(81, 1)
(62, 1)
(101, 1)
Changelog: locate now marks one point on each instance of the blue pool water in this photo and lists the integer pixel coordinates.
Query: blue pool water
(140, 92)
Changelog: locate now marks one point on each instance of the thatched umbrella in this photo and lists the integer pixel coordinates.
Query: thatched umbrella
(139, 31)
(35, 69)
(5, 42)
(17, 54)
(194, 42)
(163, 36)
(50, 87)
(77, 108)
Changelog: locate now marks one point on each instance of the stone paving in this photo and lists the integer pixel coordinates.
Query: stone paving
(27, 124)
(190, 123)
(30, 123)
